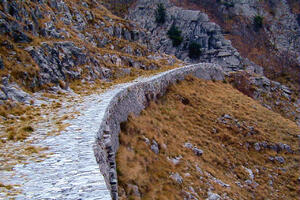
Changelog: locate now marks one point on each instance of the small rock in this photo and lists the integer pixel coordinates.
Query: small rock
(199, 170)
(226, 116)
(20, 37)
(198, 152)
(214, 131)
(176, 177)
(188, 145)
(154, 147)
(239, 184)
(213, 196)
(251, 175)
(2, 95)
(257, 146)
(147, 141)
(280, 159)
(175, 160)
(285, 147)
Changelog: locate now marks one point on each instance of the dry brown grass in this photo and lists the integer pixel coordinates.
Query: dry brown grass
(172, 122)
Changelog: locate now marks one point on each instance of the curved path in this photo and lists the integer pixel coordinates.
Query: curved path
(71, 170)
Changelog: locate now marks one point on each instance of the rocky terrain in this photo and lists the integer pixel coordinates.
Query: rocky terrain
(45, 44)
(249, 77)
(58, 56)
(195, 143)
(266, 32)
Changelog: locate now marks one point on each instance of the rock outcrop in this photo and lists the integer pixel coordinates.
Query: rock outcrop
(195, 26)
(133, 98)
(52, 43)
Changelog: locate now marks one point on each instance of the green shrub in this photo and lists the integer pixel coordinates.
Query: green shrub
(194, 50)
(258, 22)
(175, 35)
(160, 14)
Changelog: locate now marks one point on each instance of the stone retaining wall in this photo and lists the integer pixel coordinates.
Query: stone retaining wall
(133, 98)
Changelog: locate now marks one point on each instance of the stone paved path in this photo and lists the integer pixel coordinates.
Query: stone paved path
(71, 171)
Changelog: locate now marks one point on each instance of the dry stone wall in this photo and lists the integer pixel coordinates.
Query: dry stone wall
(133, 98)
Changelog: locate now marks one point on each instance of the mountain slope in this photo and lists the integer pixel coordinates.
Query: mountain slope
(205, 138)
(50, 44)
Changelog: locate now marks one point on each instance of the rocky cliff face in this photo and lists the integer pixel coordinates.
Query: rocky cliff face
(195, 27)
(51, 43)
(283, 28)
(266, 32)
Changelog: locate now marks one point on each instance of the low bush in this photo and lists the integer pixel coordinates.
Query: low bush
(175, 35)
(194, 50)
(258, 22)
(160, 14)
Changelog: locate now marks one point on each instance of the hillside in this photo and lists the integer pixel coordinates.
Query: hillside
(205, 139)
(64, 44)
(264, 60)
(72, 70)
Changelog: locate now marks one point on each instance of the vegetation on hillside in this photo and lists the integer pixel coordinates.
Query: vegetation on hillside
(240, 140)
(175, 35)
(252, 44)
(258, 22)
(160, 14)
(194, 50)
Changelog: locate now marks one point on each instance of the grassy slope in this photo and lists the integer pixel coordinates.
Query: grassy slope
(173, 123)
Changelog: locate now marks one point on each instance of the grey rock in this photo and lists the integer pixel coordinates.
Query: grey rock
(58, 61)
(176, 177)
(213, 196)
(154, 147)
(175, 160)
(285, 147)
(147, 141)
(188, 145)
(197, 152)
(250, 172)
(2, 95)
(239, 184)
(20, 37)
(226, 116)
(280, 159)
(257, 146)
(199, 170)
(14, 92)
